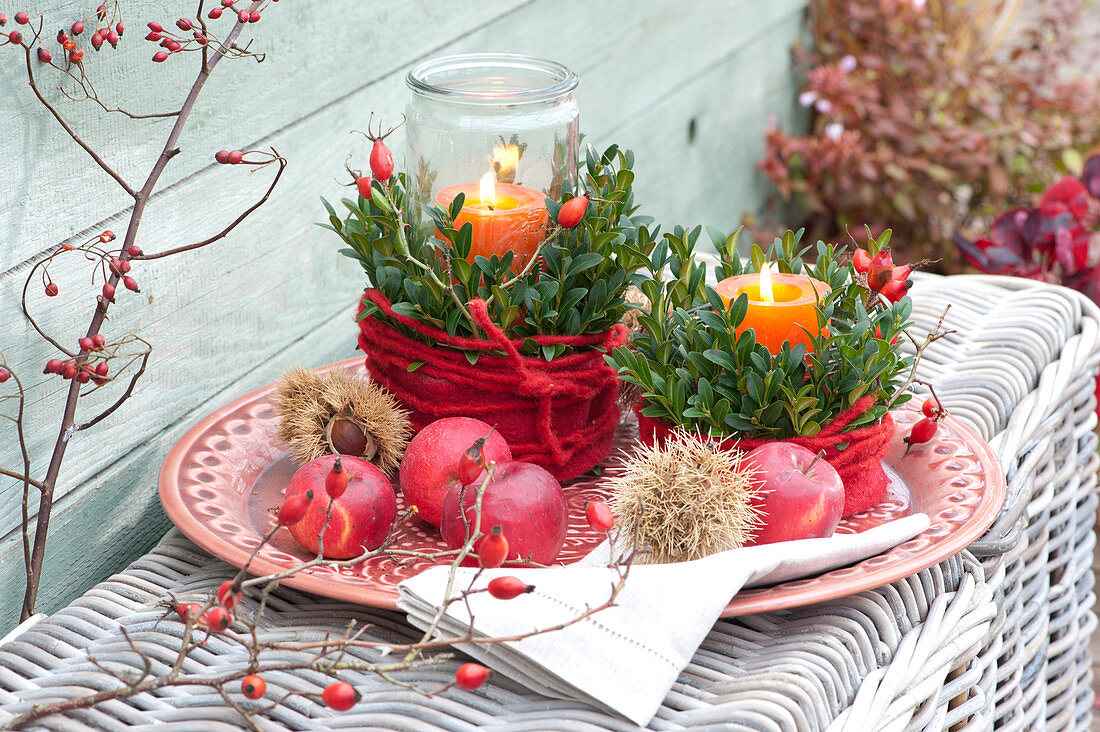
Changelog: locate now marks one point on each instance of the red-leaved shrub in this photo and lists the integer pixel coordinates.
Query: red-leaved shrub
(929, 117)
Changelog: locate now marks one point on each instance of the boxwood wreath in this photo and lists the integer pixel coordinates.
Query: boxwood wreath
(517, 346)
(578, 289)
(695, 372)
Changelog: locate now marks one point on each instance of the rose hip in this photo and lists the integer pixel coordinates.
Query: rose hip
(381, 161)
(598, 515)
(572, 212)
(861, 260)
(493, 549)
(363, 184)
(253, 686)
(229, 595)
(931, 408)
(216, 620)
(471, 676)
(51, 289)
(472, 462)
(340, 696)
(922, 432)
(188, 610)
(294, 508)
(506, 588)
(336, 481)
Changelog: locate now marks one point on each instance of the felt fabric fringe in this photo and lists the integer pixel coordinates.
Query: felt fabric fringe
(856, 454)
(559, 414)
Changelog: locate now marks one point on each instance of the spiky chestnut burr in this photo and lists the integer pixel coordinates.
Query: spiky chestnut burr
(338, 413)
(688, 499)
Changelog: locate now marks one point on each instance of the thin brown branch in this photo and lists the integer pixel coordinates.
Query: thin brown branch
(21, 476)
(141, 198)
(224, 232)
(125, 395)
(27, 314)
(72, 133)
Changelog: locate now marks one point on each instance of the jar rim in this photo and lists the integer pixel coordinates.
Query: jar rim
(426, 78)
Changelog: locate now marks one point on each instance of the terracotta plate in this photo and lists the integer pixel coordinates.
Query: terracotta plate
(221, 480)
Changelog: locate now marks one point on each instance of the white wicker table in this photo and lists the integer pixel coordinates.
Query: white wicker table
(995, 636)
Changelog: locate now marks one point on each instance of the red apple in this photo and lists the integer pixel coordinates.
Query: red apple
(524, 499)
(361, 517)
(802, 494)
(430, 465)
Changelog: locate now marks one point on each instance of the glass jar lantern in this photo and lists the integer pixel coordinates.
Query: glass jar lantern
(502, 129)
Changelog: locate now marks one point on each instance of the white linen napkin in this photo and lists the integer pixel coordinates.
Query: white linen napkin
(627, 657)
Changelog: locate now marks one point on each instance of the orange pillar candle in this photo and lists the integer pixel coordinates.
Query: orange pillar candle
(504, 217)
(782, 307)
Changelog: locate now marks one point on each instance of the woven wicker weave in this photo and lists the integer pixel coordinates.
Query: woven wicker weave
(993, 635)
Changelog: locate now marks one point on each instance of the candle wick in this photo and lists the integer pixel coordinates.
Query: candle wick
(491, 208)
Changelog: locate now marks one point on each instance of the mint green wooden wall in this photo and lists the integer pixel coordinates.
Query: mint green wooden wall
(232, 317)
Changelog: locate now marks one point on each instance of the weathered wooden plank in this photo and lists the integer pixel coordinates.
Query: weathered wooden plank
(318, 53)
(224, 316)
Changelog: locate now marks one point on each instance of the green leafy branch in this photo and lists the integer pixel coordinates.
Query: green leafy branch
(696, 371)
(574, 285)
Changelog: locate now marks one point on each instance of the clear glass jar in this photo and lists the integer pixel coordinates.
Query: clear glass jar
(507, 118)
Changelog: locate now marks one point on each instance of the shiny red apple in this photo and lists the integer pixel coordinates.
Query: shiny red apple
(361, 517)
(524, 499)
(430, 465)
(802, 495)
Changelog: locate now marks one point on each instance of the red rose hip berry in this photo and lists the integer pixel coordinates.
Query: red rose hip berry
(340, 696)
(336, 481)
(217, 620)
(572, 212)
(362, 183)
(493, 549)
(923, 431)
(471, 676)
(598, 515)
(294, 508)
(931, 408)
(381, 161)
(229, 595)
(506, 588)
(253, 686)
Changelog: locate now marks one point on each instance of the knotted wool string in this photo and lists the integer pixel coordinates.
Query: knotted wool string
(857, 454)
(559, 414)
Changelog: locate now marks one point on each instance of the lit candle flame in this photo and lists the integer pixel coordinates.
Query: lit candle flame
(489, 189)
(766, 283)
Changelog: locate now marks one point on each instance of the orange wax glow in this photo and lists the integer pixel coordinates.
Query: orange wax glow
(782, 315)
(504, 217)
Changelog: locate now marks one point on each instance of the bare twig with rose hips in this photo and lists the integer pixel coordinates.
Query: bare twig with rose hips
(90, 361)
(217, 614)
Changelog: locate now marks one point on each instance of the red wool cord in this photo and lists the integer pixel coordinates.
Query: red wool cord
(559, 414)
(857, 454)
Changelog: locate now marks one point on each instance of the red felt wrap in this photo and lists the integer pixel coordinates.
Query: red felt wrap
(859, 463)
(559, 414)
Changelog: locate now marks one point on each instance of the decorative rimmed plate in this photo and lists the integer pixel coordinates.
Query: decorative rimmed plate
(221, 480)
